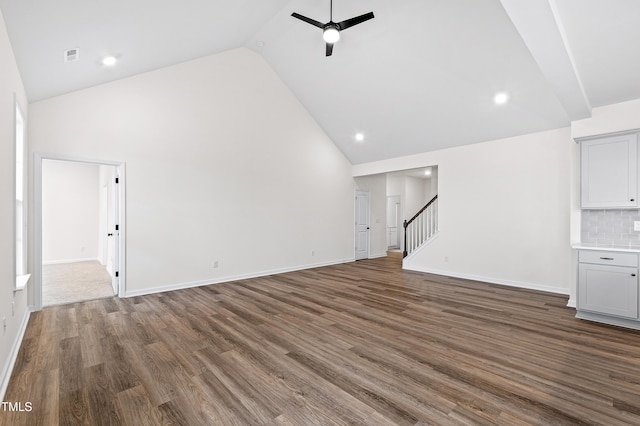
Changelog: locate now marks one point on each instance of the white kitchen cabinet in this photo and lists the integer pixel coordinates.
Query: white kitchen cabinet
(609, 172)
(611, 290)
(608, 286)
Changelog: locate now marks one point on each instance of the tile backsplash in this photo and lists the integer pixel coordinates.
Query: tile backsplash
(610, 227)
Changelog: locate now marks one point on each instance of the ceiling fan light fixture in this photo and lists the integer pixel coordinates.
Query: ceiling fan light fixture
(331, 34)
(331, 30)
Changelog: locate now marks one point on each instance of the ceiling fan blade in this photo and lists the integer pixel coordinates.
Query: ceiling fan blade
(347, 23)
(308, 20)
(329, 49)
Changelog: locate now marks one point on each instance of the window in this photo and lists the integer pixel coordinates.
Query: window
(21, 223)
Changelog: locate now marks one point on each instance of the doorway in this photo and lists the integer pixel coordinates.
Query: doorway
(394, 222)
(78, 227)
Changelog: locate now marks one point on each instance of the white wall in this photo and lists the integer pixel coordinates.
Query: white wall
(609, 119)
(415, 196)
(432, 184)
(505, 210)
(377, 187)
(395, 185)
(70, 211)
(222, 164)
(10, 86)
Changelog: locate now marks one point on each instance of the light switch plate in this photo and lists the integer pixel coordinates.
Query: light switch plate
(636, 225)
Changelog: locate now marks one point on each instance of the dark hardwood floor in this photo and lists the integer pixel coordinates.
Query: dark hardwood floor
(363, 343)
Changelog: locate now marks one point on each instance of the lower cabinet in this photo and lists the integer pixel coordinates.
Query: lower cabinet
(608, 287)
(611, 290)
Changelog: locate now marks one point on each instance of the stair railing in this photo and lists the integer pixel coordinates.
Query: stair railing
(420, 227)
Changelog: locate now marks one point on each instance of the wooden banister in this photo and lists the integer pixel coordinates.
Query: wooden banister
(421, 210)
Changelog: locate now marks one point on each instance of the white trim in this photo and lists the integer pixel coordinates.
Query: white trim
(491, 280)
(59, 262)
(421, 247)
(572, 303)
(13, 355)
(608, 319)
(181, 286)
(375, 256)
(37, 219)
(600, 135)
(22, 281)
(355, 222)
(19, 279)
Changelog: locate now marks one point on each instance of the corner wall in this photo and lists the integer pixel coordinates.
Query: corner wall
(223, 165)
(505, 210)
(10, 88)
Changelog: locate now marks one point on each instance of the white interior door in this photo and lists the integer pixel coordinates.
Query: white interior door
(393, 221)
(113, 239)
(362, 224)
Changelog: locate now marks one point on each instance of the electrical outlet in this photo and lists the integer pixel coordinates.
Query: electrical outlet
(636, 225)
(215, 264)
(446, 259)
(4, 324)
(13, 308)
(313, 252)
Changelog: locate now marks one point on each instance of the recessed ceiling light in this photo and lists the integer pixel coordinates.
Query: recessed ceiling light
(359, 137)
(109, 61)
(501, 98)
(259, 43)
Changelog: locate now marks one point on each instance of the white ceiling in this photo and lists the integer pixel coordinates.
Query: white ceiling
(419, 77)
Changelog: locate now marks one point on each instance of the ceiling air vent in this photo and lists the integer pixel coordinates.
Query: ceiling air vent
(71, 55)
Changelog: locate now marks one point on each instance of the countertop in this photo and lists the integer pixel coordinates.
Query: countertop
(582, 246)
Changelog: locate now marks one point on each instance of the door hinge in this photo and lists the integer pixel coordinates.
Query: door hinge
(117, 274)
(117, 227)
(117, 180)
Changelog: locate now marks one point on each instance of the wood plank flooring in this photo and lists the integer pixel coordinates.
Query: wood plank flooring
(364, 343)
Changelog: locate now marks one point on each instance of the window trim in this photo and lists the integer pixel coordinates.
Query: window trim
(21, 273)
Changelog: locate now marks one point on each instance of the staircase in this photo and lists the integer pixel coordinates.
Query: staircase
(421, 227)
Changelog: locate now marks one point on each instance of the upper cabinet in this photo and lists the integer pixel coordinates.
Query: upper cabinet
(609, 174)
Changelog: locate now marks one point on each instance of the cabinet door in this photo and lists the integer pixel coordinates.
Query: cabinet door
(611, 290)
(609, 172)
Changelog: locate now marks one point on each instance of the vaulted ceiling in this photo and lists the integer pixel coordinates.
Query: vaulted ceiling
(418, 77)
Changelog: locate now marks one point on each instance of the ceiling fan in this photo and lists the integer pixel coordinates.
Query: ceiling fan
(331, 30)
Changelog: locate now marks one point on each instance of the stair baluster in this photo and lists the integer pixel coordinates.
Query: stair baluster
(421, 227)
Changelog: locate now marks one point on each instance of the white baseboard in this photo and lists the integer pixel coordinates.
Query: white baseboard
(375, 256)
(571, 303)
(491, 280)
(181, 286)
(13, 354)
(60, 262)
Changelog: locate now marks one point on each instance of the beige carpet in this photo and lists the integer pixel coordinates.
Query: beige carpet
(74, 282)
